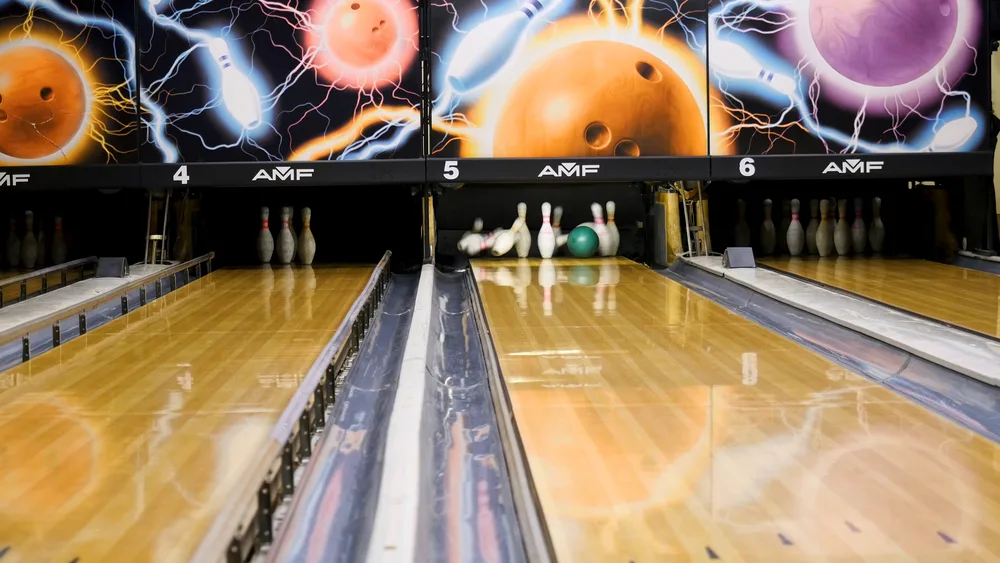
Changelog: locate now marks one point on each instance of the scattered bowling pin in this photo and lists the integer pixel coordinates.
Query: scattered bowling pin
(741, 237)
(813, 226)
(58, 243)
(265, 242)
(286, 246)
(768, 236)
(13, 245)
(603, 238)
(473, 244)
(306, 242)
(876, 234)
(295, 237)
(786, 221)
(824, 236)
(523, 233)
(795, 237)
(477, 227)
(842, 234)
(546, 236)
(859, 234)
(29, 245)
(613, 229)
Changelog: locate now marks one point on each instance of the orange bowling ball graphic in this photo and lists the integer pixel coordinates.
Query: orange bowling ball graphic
(361, 32)
(43, 101)
(600, 98)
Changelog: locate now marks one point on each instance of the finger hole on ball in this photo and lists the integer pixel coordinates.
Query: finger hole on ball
(3, 116)
(1, 98)
(46, 94)
(648, 71)
(598, 135)
(627, 147)
(355, 6)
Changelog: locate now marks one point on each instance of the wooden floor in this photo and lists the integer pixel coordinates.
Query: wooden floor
(659, 426)
(961, 297)
(122, 445)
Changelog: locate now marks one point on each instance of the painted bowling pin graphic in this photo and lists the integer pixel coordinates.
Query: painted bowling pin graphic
(613, 229)
(876, 234)
(842, 233)
(795, 238)
(824, 235)
(603, 238)
(813, 226)
(306, 242)
(13, 245)
(265, 242)
(546, 236)
(523, 233)
(741, 235)
(58, 243)
(859, 233)
(29, 245)
(239, 95)
(768, 235)
(489, 46)
(285, 247)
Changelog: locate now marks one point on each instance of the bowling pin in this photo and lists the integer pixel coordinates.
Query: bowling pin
(472, 245)
(58, 243)
(813, 226)
(557, 220)
(546, 237)
(741, 236)
(603, 239)
(842, 234)
(477, 226)
(295, 237)
(824, 237)
(489, 46)
(239, 95)
(786, 221)
(730, 59)
(768, 236)
(285, 247)
(13, 246)
(876, 234)
(29, 245)
(265, 242)
(795, 235)
(859, 234)
(613, 229)
(307, 243)
(523, 233)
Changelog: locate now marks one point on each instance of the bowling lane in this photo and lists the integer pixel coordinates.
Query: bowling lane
(12, 293)
(958, 296)
(122, 445)
(659, 426)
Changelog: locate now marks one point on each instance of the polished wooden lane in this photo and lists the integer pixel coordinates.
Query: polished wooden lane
(123, 444)
(659, 426)
(958, 296)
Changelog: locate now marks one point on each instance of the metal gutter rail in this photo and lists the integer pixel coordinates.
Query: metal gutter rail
(23, 279)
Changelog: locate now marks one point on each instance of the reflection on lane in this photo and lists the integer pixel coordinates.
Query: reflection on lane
(677, 428)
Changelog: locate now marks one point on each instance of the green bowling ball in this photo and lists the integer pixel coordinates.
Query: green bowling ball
(582, 242)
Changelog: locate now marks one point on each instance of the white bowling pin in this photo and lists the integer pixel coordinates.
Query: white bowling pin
(613, 229)
(741, 236)
(477, 226)
(523, 233)
(876, 234)
(29, 245)
(13, 245)
(285, 247)
(265, 241)
(58, 243)
(842, 234)
(473, 244)
(813, 226)
(489, 46)
(824, 237)
(795, 237)
(306, 242)
(859, 234)
(730, 59)
(603, 239)
(786, 220)
(557, 220)
(295, 236)
(505, 240)
(239, 95)
(546, 236)
(768, 236)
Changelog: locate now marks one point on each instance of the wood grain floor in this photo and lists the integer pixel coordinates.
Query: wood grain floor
(123, 444)
(958, 296)
(659, 426)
